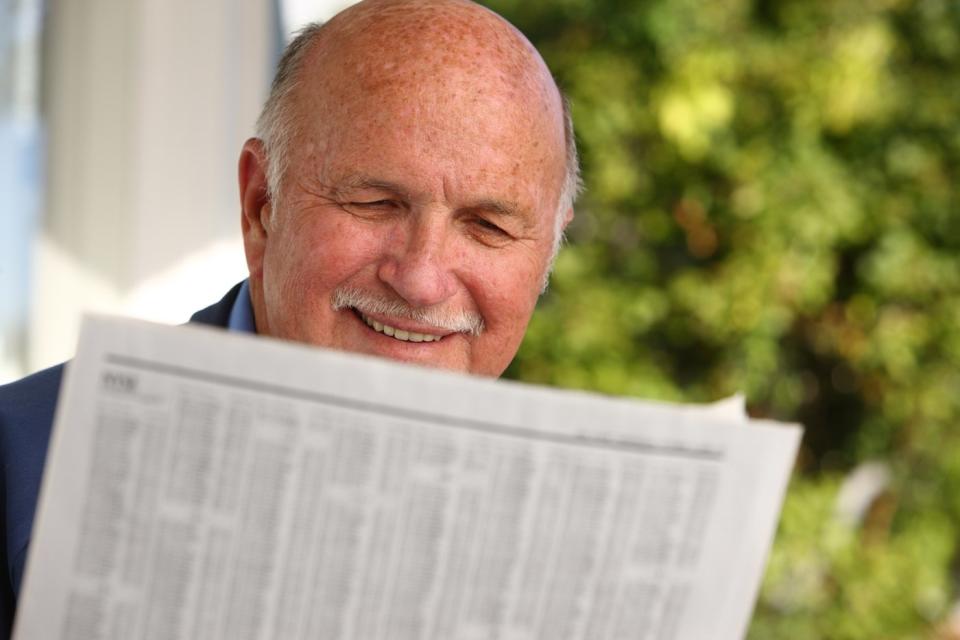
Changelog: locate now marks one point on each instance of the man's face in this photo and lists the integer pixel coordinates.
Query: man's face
(425, 214)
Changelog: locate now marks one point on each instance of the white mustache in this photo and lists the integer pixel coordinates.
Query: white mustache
(460, 321)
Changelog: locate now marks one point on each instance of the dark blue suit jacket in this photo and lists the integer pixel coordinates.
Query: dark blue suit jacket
(26, 416)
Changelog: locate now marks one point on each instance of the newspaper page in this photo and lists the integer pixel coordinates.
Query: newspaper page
(208, 485)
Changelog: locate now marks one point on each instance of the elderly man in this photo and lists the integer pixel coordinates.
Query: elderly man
(414, 170)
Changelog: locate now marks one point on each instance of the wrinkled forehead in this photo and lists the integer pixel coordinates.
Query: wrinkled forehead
(431, 102)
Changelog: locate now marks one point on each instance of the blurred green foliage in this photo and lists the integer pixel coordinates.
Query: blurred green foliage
(771, 207)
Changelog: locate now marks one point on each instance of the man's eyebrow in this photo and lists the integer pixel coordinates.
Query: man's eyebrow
(498, 207)
(362, 181)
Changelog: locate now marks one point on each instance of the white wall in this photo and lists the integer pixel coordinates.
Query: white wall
(145, 106)
(20, 172)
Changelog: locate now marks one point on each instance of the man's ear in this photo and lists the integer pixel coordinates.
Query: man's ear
(255, 203)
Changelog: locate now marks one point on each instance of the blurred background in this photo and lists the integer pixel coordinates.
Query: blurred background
(771, 207)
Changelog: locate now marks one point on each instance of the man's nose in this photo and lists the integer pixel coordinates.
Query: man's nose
(417, 264)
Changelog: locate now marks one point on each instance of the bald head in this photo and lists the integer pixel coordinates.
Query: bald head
(406, 197)
(414, 55)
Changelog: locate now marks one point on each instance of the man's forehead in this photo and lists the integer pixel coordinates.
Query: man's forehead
(451, 127)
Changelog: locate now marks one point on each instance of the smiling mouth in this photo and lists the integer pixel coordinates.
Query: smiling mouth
(397, 334)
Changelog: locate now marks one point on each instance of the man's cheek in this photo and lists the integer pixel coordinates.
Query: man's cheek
(513, 280)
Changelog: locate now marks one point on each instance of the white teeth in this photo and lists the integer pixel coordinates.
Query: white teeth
(399, 334)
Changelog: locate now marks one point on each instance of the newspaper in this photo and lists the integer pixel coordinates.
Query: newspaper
(203, 484)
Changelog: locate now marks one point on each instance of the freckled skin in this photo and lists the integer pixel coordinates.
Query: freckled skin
(412, 117)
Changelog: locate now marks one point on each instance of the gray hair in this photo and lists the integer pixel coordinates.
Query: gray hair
(277, 124)
(277, 127)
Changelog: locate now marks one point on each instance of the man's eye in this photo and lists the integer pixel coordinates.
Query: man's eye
(373, 209)
(375, 204)
(489, 233)
(486, 225)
